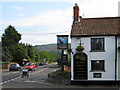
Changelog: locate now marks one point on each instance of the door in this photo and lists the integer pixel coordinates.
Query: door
(80, 66)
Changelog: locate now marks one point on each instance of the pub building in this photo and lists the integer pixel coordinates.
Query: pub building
(100, 38)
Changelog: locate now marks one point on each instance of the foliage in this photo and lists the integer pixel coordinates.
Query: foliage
(51, 57)
(10, 39)
(63, 73)
(31, 52)
(80, 48)
(6, 55)
(15, 51)
(20, 54)
(11, 36)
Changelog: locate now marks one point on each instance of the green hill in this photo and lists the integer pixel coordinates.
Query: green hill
(48, 48)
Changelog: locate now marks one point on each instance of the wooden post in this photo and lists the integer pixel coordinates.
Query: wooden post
(62, 62)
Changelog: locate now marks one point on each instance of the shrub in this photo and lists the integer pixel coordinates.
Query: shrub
(65, 74)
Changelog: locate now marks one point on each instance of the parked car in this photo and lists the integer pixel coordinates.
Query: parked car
(46, 63)
(41, 64)
(30, 66)
(15, 67)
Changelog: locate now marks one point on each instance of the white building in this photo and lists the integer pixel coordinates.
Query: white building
(100, 38)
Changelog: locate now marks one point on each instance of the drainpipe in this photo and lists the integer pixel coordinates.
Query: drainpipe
(115, 58)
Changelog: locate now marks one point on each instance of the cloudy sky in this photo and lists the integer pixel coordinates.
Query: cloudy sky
(39, 21)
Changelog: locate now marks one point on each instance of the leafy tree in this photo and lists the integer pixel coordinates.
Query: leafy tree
(10, 40)
(20, 54)
(6, 55)
(51, 57)
(11, 36)
(37, 58)
(31, 52)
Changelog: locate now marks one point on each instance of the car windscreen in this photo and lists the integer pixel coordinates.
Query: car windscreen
(18, 65)
(12, 65)
(29, 64)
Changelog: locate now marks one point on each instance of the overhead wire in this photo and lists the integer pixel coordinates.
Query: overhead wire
(43, 33)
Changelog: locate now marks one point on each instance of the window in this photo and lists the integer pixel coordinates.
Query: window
(97, 44)
(97, 65)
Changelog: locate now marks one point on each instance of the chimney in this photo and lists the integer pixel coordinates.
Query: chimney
(76, 12)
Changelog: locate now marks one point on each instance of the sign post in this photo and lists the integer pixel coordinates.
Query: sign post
(64, 59)
(62, 43)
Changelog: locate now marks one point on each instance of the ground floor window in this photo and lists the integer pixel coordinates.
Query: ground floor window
(97, 65)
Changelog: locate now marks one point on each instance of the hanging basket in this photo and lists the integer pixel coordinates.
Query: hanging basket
(79, 49)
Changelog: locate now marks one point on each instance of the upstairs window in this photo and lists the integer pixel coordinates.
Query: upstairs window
(97, 44)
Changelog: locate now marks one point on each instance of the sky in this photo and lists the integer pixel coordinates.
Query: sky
(39, 21)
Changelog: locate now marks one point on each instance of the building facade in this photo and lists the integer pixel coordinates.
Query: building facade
(100, 38)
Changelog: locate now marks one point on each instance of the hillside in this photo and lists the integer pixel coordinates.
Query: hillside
(48, 48)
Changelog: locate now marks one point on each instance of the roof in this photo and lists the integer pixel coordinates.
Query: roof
(96, 26)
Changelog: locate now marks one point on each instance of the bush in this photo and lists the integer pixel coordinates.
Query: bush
(65, 74)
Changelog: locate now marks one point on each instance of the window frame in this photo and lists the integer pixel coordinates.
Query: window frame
(101, 70)
(93, 50)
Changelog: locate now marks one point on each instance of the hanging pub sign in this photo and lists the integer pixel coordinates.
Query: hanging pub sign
(62, 41)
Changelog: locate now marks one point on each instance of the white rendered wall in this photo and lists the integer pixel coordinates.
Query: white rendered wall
(108, 56)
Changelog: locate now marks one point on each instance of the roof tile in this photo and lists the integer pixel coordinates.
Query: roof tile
(96, 26)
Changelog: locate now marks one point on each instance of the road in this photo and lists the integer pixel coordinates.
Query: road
(37, 79)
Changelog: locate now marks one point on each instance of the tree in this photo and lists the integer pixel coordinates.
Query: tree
(48, 56)
(31, 52)
(10, 40)
(6, 55)
(11, 36)
(20, 54)
(37, 58)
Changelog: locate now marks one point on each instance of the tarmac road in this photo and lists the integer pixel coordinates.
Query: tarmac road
(12, 79)
(38, 78)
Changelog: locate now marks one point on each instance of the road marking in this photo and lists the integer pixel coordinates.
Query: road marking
(8, 73)
(10, 80)
(29, 74)
(19, 76)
